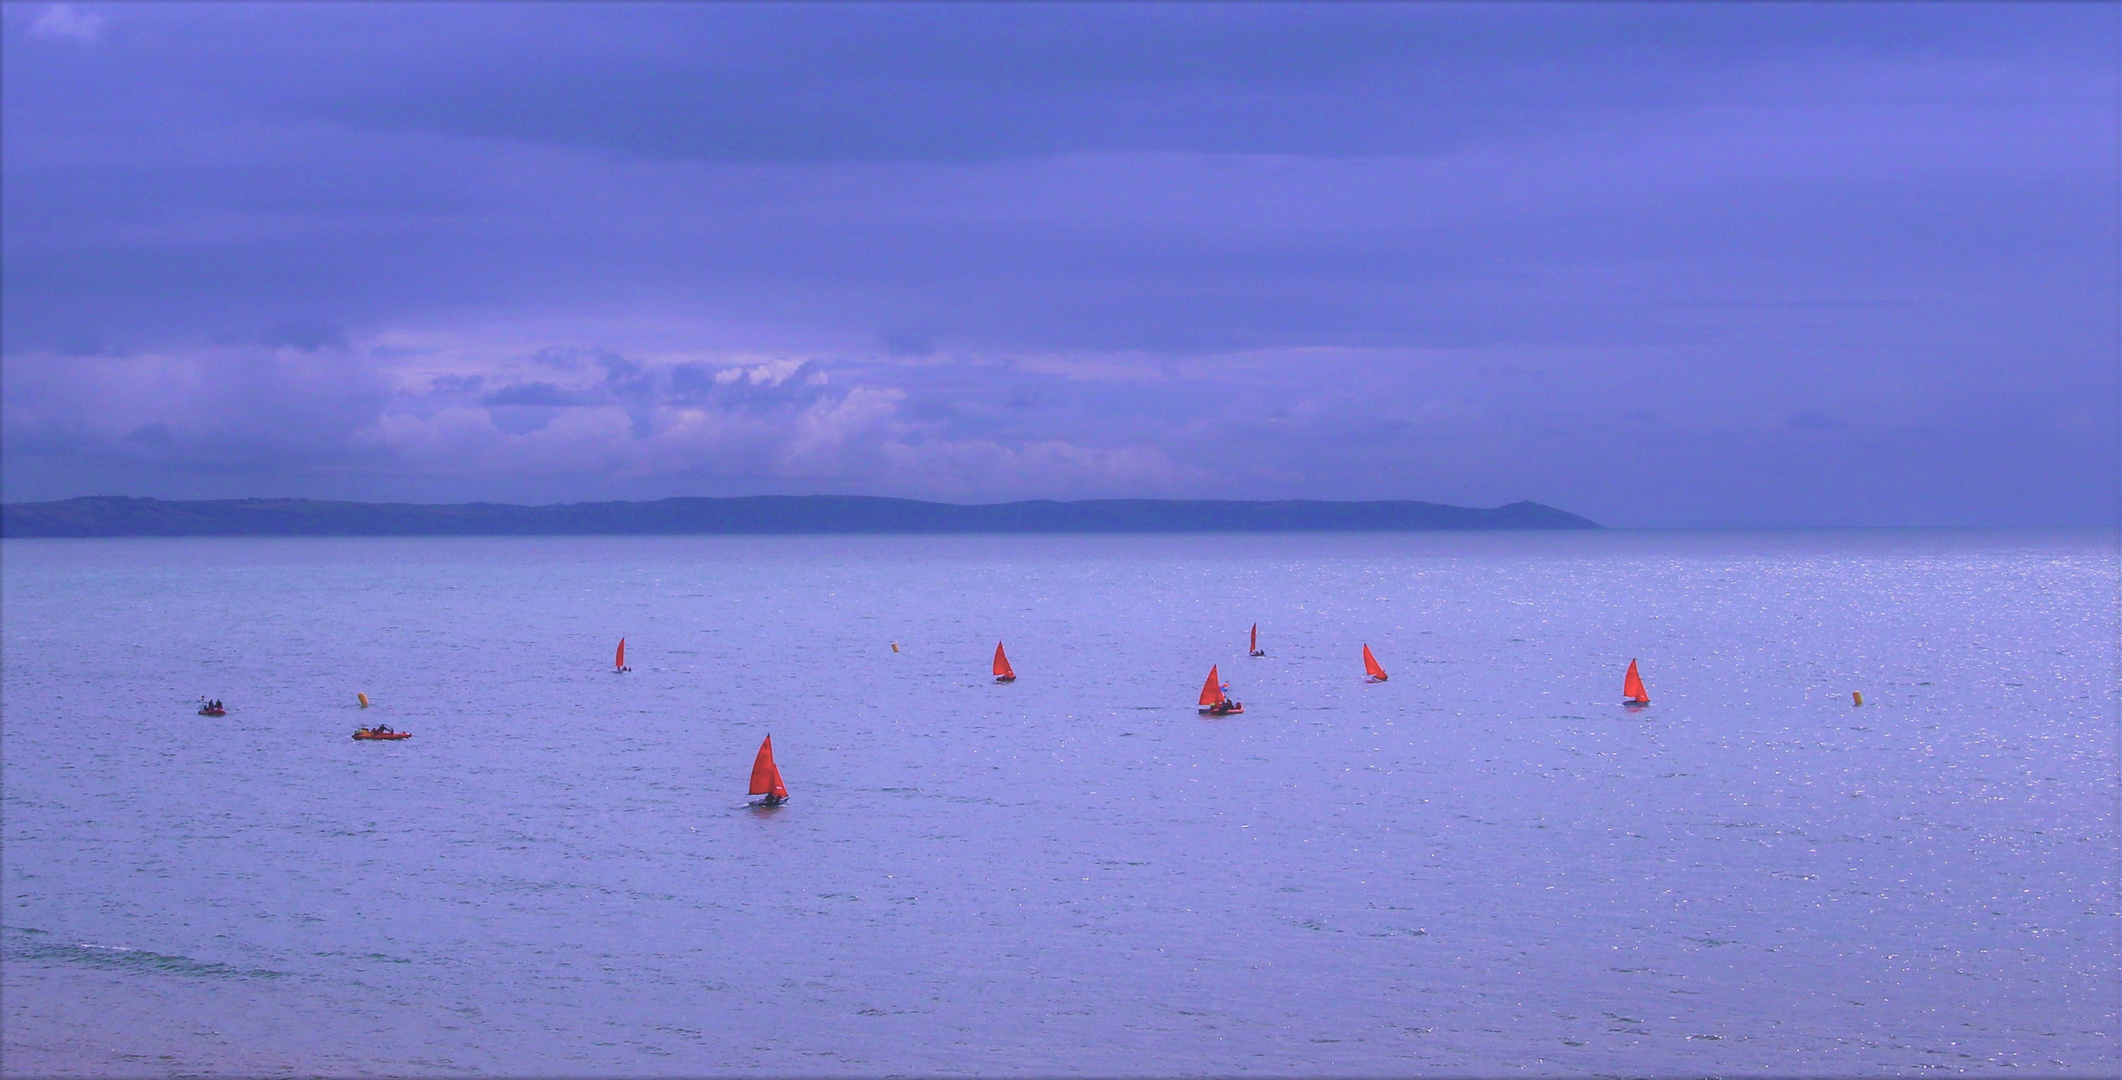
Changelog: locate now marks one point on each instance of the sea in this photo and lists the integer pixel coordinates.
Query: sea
(1485, 866)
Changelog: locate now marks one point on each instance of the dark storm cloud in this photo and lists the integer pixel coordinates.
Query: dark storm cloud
(534, 393)
(953, 82)
(1010, 250)
(307, 334)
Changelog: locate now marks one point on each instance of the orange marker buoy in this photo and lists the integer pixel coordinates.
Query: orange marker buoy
(364, 700)
(1856, 697)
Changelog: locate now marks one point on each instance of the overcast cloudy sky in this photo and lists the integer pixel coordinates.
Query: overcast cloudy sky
(1660, 265)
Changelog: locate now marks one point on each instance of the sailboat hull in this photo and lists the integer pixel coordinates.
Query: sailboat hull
(1232, 709)
(1005, 678)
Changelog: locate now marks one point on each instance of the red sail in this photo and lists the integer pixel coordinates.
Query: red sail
(1632, 686)
(766, 776)
(619, 661)
(1370, 665)
(1212, 690)
(1255, 647)
(1002, 668)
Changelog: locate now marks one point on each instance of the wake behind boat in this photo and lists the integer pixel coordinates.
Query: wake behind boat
(1214, 702)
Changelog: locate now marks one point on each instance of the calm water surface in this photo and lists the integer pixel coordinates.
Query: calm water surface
(1483, 866)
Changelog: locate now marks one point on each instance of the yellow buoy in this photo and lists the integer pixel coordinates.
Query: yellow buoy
(364, 700)
(895, 646)
(1856, 697)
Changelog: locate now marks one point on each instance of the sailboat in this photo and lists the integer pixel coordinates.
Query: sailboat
(1256, 642)
(1214, 702)
(619, 659)
(1370, 666)
(766, 776)
(1632, 692)
(1003, 672)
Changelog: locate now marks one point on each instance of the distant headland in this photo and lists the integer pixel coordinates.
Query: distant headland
(757, 514)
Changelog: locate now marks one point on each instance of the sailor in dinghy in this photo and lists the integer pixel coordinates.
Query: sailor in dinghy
(1214, 702)
(766, 776)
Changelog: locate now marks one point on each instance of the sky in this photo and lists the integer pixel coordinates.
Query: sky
(1662, 265)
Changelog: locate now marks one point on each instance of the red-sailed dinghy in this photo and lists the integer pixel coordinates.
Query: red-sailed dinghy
(1003, 672)
(619, 659)
(766, 776)
(1214, 702)
(1370, 666)
(1255, 646)
(1632, 691)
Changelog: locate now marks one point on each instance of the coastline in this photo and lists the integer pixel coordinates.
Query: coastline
(112, 516)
